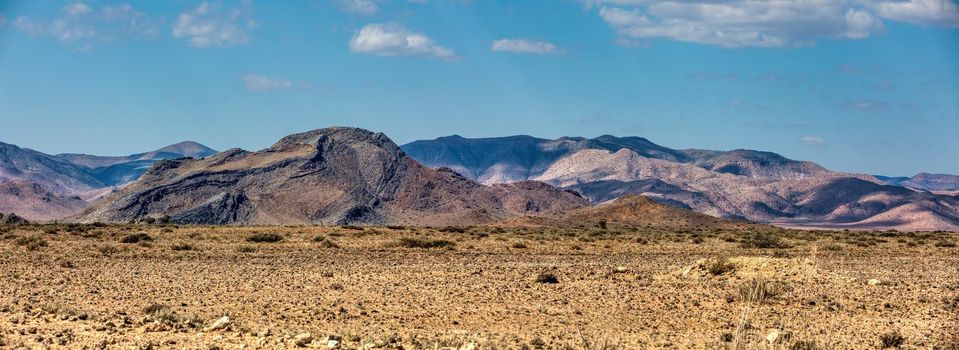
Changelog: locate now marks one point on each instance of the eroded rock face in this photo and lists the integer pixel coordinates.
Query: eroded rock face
(329, 176)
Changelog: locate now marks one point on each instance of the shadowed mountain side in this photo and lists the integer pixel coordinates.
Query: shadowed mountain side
(517, 158)
(333, 176)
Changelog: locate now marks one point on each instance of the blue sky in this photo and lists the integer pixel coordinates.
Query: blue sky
(856, 85)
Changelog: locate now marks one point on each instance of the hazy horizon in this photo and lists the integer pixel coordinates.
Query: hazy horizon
(866, 86)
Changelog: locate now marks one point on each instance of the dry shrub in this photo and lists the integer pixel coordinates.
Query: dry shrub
(759, 290)
(32, 242)
(720, 266)
(136, 238)
(892, 340)
(413, 242)
(264, 238)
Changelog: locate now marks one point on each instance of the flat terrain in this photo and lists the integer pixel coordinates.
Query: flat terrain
(81, 286)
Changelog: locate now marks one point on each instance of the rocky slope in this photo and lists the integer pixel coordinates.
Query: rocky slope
(33, 202)
(743, 184)
(334, 175)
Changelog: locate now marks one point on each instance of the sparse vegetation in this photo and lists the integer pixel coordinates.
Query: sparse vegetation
(758, 290)
(413, 242)
(264, 238)
(136, 238)
(719, 266)
(183, 247)
(32, 242)
(763, 241)
(945, 244)
(452, 229)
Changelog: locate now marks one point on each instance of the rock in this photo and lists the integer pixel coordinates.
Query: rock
(874, 282)
(620, 269)
(263, 333)
(303, 339)
(773, 336)
(156, 327)
(333, 342)
(468, 346)
(219, 324)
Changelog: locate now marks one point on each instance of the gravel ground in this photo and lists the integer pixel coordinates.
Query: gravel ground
(485, 287)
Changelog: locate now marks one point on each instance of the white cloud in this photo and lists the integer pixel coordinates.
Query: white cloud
(259, 82)
(813, 140)
(392, 39)
(210, 25)
(77, 8)
(771, 23)
(79, 25)
(735, 23)
(929, 12)
(525, 46)
(360, 7)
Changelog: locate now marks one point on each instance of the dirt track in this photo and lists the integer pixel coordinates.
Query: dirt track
(365, 287)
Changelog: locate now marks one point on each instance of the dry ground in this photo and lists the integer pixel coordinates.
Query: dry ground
(80, 287)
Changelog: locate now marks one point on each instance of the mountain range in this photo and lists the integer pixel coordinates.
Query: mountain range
(325, 176)
(40, 186)
(741, 184)
(348, 175)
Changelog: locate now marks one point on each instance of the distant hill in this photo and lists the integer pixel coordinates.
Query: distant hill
(739, 184)
(54, 174)
(629, 211)
(926, 181)
(34, 202)
(325, 176)
(40, 186)
(118, 170)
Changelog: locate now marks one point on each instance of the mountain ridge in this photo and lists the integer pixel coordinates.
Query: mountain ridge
(325, 176)
(739, 184)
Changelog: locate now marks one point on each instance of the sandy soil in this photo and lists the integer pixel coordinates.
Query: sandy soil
(320, 287)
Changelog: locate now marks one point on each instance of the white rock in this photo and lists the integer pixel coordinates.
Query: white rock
(773, 336)
(874, 282)
(219, 324)
(333, 343)
(468, 346)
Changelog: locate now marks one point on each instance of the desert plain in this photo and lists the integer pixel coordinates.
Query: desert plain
(136, 286)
